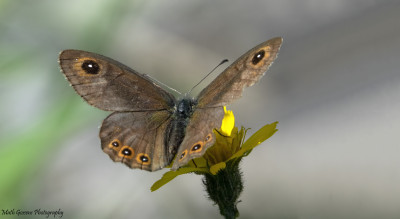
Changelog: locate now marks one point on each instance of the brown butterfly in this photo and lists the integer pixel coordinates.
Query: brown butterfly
(149, 126)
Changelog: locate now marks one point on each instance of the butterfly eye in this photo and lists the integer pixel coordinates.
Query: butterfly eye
(258, 57)
(183, 155)
(126, 152)
(143, 159)
(197, 147)
(208, 138)
(90, 67)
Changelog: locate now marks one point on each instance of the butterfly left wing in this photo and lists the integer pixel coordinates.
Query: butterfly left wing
(110, 85)
(137, 139)
(135, 133)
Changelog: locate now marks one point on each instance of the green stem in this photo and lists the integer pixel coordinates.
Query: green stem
(224, 189)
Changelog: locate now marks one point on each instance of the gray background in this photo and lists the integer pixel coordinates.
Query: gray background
(334, 90)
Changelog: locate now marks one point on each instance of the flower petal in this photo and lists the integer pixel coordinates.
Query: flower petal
(170, 175)
(228, 122)
(257, 138)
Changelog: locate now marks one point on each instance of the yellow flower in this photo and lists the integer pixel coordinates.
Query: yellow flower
(228, 149)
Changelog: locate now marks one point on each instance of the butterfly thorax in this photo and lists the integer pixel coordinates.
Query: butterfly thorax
(184, 108)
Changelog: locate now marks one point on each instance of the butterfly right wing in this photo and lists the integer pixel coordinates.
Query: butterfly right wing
(226, 88)
(244, 72)
(137, 139)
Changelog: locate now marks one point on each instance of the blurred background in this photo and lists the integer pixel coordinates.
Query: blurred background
(334, 90)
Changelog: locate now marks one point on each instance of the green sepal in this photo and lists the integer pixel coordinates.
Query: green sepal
(217, 167)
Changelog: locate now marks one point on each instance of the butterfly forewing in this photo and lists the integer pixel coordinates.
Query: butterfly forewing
(244, 72)
(110, 85)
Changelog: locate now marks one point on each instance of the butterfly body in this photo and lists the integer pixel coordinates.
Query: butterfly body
(149, 127)
(177, 127)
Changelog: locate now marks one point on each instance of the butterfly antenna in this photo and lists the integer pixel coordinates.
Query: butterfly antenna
(165, 85)
(222, 62)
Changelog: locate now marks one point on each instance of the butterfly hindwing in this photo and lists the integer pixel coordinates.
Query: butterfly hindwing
(199, 134)
(137, 139)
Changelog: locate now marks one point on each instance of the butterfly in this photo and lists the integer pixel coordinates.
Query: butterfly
(149, 128)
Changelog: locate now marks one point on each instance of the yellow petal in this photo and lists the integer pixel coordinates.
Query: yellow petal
(170, 175)
(261, 135)
(228, 122)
